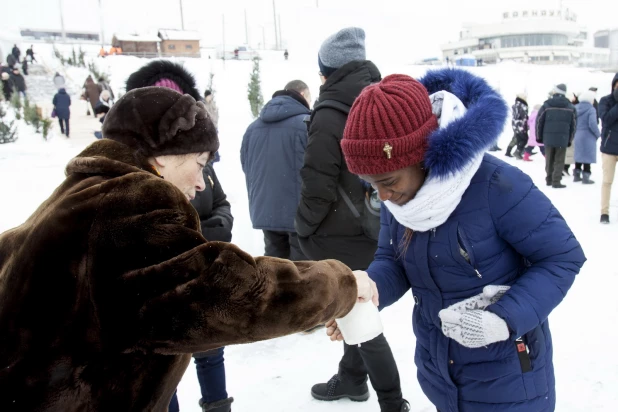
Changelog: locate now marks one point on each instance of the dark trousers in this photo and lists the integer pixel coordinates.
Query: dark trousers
(373, 358)
(578, 166)
(64, 126)
(554, 163)
(283, 245)
(522, 141)
(211, 375)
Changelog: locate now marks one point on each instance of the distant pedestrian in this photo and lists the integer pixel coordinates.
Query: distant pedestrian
(62, 103)
(16, 53)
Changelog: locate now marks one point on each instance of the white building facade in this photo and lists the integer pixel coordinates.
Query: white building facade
(529, 36)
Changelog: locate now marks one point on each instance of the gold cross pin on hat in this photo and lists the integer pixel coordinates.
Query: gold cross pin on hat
(388, 149)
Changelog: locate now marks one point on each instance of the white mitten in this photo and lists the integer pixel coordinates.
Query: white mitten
(490, 295)
(473, 328)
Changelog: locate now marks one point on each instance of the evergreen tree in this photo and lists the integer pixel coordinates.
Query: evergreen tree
(8, 133)
(256, 100)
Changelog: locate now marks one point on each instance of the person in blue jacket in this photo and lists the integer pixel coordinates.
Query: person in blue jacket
(62, 106)
(272, 154)
(486, 254)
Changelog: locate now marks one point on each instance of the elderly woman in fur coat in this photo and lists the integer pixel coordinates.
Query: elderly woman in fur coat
(109, 287)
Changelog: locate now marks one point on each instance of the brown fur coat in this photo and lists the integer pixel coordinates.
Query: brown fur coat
(109, 286)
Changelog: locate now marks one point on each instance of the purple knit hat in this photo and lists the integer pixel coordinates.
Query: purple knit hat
(170, 84)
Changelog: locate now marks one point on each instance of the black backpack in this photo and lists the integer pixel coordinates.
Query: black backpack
(370, 214)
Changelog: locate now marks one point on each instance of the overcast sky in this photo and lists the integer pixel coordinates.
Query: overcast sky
(392, 26)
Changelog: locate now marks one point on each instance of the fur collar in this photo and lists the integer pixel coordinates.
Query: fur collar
(451, 149)
(110, 158)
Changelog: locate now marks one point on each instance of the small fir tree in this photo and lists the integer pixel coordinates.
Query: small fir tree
(256, 100)
(8, 133)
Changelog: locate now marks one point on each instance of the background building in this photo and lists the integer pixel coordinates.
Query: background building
(180, 43)
(608, 39)
(530, 36)
(137, 45)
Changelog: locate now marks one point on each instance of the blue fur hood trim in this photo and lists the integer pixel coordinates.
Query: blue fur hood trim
(451, 148)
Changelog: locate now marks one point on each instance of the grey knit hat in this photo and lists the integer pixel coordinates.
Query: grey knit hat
(560, 89)
(341, 48)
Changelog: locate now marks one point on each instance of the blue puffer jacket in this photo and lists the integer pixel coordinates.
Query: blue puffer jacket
(62, 103)
(272, 154)
(512, 234)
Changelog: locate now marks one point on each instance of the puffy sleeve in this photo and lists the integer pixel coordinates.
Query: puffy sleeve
(529, 222)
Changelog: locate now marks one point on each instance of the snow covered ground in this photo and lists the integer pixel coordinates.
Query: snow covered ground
(277, 375)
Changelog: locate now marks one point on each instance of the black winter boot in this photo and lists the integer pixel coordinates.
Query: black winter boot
(337, 389)
(586, 179)
(224, 405)
(577, 175)
(405, 406)
(605, 219)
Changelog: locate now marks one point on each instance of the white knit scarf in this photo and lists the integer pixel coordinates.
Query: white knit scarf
(438, 197)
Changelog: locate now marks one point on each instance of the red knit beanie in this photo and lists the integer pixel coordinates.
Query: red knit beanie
(388, 126)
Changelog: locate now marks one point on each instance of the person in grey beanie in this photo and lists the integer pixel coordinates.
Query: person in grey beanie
(327, 220)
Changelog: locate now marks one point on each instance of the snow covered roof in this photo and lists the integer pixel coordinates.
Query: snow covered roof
(171, 34)
(137, 37)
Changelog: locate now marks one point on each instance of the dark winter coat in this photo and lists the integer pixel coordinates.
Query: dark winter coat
(508, 228)
(7, 89)
(325, 224)
(556, 122)
(19, 81)
(91, 92)
(11, 61)
(16, 52)
(586, 134)
(214, 210)
(608, 112)
(519, 120)
(62, 103)
(109, 287)
(272, 154)
(24, 66)
(101, 108)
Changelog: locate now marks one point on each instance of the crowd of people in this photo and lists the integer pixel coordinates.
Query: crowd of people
(13, 80)
(384, 187)
(566, 132)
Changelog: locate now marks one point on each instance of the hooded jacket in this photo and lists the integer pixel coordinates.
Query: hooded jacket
(502, 232)
(109, 287)
(608, 112)
(325, 224)
(272, 154)
(556, 122)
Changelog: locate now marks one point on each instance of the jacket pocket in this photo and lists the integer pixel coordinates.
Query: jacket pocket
(464, 250)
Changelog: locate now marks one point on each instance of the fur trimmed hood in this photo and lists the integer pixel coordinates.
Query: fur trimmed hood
(157, 70)
(451, 148)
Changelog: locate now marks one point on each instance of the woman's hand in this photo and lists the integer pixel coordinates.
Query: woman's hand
(367, 289)
(333, 331)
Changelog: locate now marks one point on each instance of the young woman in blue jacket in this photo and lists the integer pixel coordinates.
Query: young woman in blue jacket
(486, 254)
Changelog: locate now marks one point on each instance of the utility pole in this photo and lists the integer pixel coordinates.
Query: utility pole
(102, 26)
(182, 17)
(246, 29)
(275, 24)
(223, 29)
(280, 38)
(64, 34)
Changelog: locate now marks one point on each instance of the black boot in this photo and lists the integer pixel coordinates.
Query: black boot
(405, 406)
(224, 405)
(336, 389)
(605, 219)
(577, 175)
(586, 179)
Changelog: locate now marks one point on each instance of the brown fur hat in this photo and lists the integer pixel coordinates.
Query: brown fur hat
(158, 121)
